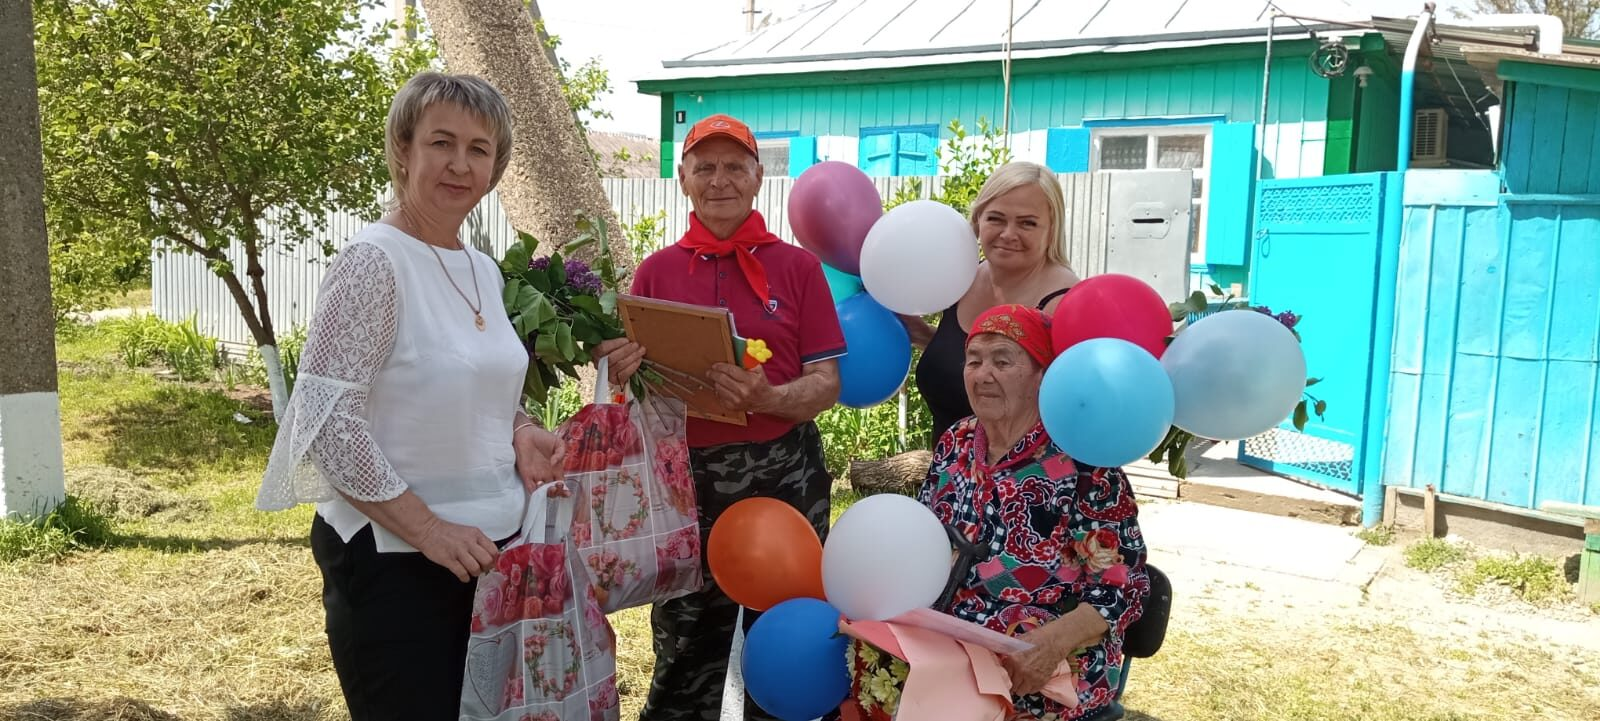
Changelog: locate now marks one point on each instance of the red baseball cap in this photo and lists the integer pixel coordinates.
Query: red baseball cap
(720, 125)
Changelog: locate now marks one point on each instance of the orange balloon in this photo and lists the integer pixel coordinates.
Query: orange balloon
(763, 552)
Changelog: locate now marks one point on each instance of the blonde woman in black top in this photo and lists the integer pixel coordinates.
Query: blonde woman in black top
(1019, 218)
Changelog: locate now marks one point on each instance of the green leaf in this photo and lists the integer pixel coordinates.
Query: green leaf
(1216, 289)
(608, 302)
(584, 240)
(1300, 416)
(527, 296)
(533, 385)
(542, 310)
(1312, 381)
(585, 330)
(557, 271)
(524, 325)
(1321, 408)
(545, 345)
(564, 342)
(587, 303)
(508, 296)
(517, 258)
(1197, 302)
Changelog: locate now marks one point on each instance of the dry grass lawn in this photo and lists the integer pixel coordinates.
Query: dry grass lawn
(215, 615)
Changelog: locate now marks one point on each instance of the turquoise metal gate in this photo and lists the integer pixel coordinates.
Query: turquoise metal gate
(1317, 251)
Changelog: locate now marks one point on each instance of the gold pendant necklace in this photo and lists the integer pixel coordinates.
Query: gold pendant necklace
(477, 315)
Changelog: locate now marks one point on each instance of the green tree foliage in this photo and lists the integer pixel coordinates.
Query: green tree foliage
(191, 124)
(1581, 18)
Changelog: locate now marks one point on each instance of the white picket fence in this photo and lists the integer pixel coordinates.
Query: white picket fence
(182, 286)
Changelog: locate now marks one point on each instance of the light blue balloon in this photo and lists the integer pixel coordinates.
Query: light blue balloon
(841, 284)
(879, 354)
(1235, 374)
(1106, 402)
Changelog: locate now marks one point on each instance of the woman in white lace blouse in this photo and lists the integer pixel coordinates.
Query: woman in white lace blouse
(406, 425)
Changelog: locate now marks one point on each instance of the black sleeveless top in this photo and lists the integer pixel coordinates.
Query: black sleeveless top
(939, 373)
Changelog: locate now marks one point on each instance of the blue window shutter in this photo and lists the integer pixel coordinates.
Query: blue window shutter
(877, 155)
(1067, 150)
(1231, 199)
(918, 153)
(802, 154)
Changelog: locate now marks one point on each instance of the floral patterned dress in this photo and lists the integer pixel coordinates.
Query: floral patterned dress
(1050, 534)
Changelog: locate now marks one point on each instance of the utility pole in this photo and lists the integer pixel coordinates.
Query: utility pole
(750, 16)
(31, 481)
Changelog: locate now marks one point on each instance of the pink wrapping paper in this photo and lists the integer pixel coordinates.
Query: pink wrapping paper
(954, 678)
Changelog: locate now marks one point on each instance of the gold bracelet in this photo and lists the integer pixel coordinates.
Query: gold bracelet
(522, 425)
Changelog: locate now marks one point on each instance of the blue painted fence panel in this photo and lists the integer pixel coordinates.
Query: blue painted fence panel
(1497, 350)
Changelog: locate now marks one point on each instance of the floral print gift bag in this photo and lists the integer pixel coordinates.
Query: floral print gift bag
(541, 648)
(635, 523)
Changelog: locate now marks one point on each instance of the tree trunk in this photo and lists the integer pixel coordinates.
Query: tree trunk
(552, 177)
(896, 474)
(31, 480)
(258, 322)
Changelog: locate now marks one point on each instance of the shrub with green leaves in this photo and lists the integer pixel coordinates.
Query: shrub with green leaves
(191, 354)
(142, 340)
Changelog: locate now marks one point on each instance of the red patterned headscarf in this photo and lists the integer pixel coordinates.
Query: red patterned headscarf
(1029, 327)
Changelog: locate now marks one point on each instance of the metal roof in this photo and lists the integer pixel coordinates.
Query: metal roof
(1459, 67)
(897, 33)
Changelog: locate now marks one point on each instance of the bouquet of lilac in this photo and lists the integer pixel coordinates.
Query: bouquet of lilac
(561, 308)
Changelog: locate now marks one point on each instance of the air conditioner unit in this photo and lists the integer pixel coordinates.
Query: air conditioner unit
(1428, 137)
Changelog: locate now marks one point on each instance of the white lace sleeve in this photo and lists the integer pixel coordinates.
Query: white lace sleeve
(323, 440)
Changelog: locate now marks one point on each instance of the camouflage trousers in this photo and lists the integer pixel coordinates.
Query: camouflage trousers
(694, 633)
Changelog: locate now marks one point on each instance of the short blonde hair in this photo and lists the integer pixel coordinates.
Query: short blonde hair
(468, 92)
(1018, 174)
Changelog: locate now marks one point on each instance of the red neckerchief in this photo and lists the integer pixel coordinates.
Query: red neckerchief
(750, 234)
(983, 485)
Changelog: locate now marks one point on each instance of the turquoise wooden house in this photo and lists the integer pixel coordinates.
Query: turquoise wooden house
(1093, 86)
(1423, 194)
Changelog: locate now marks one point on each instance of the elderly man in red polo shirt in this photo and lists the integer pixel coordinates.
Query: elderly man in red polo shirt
(777, 293)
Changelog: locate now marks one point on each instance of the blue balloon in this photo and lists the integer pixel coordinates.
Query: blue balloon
(841, 284)
(879, 352)
(1106, 402)
(794, 660)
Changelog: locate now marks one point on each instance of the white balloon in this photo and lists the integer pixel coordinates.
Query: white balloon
(887, 554)
(1235, 374)
(919, 258)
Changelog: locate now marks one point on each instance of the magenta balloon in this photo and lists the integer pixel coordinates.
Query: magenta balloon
(831, 208)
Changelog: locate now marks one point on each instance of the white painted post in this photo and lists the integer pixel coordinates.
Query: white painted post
(31, 479)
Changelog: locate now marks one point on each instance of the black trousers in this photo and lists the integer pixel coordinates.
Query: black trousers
(397, 625)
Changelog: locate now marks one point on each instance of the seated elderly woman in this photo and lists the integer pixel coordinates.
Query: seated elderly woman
(1049, 549)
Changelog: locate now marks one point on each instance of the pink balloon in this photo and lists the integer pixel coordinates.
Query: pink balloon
(831, 208)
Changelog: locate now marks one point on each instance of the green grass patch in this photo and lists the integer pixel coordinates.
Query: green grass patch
(1377, 535)
(196, 441)
(1533, 579)
(71, 526)
(1433, 554)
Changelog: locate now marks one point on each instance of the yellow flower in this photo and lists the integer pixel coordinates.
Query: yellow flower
(756, 353)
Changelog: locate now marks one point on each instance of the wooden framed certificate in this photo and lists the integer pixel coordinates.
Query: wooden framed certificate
(682, 342)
